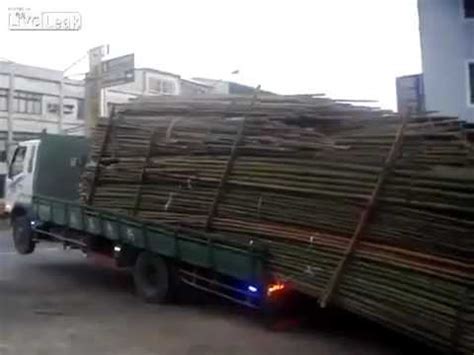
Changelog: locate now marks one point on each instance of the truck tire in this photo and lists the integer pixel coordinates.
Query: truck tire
(23, 235)
(154, 278)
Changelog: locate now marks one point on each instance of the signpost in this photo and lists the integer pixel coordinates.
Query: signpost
(93, 90)
(115, 71)
(118, 71)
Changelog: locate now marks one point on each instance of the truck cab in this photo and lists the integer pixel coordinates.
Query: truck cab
(50, 166)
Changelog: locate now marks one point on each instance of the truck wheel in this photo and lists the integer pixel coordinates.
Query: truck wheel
(23, 235)
(153, 278)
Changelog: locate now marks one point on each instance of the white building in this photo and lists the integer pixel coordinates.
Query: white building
(151, 82)
(36, 97)
(226, 87)
(447, 44)
(35, 100)
(34, 105)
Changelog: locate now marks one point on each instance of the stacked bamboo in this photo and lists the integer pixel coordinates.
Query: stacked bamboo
(298, 173)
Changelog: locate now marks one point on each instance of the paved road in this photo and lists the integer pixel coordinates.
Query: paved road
(56, 302)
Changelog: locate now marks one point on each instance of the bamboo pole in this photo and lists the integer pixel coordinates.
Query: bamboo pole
(305, 172)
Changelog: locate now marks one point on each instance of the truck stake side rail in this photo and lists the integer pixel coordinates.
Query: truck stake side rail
(194, 248)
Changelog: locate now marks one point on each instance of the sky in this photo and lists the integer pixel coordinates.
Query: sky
(344, 48)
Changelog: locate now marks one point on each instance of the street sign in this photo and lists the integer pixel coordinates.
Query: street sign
(117, 71)
(98, 52)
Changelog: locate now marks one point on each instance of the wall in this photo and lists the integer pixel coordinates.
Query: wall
(113, 96)
(46, 83)
(158, 76)
(447, 42)
(215, 86)
(135, 87)
(124, 93)
(141, 84)
(190, 88)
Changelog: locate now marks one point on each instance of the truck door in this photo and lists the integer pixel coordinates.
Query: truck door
(19, 184)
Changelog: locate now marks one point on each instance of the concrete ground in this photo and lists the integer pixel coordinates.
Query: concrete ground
(56, 302)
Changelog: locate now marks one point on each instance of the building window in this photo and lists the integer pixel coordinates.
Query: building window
(161, 86)
(468, 8)
(68, 109)
(168, 87)
(54, 108)
(154, 85)
(25, 102)
(3, 100)
(470, 78)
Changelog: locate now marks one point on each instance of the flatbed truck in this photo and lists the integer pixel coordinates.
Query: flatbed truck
(43, 202)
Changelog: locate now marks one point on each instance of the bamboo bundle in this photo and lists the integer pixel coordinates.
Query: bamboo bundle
(357, 207)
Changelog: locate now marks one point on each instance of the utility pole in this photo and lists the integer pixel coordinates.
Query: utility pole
(61, 105)
(11, 96)
(61, 94)
(93, 88)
